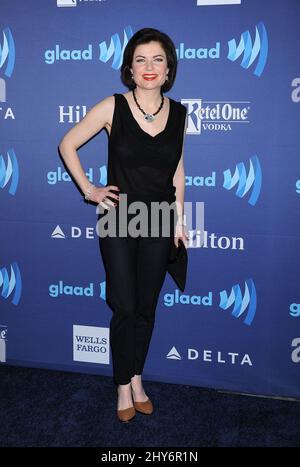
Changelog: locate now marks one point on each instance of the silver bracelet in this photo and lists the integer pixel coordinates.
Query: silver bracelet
(88, 192)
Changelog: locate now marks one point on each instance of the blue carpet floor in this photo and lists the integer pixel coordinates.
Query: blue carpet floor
(41, 408)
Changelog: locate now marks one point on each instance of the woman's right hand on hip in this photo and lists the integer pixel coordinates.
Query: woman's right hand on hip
(102, 196)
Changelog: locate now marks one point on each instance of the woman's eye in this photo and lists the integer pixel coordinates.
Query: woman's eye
(140, 60)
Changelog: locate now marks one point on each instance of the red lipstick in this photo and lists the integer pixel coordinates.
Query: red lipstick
(149, 77)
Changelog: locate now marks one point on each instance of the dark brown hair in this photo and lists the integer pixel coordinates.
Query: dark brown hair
(143, 36)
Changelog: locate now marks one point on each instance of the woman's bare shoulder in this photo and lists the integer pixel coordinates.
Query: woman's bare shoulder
(107, 103)
(105, 109)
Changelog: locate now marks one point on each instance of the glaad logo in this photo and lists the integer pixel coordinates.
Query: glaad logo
(244, 181)
(103, 290)
(9, 172)
(3, 339)
(170, 299)
(249, 300)
(296, 92)
(295, 310)
(59, 175)
(90, 344)
(240, 302)
(64, 289)
(11, 285)
(7, 54)
(251, 51)
(212, 356)
(214, 116)
(63, 3)
(202, 53)
(65, 54)
(258, 50)
(253, 179)
(116, 48)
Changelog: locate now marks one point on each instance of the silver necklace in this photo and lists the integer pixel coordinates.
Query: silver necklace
(149, 117)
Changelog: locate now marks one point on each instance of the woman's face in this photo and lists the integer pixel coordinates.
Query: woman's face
(149, 65)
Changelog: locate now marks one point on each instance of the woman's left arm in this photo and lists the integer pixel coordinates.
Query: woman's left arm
(179, 183)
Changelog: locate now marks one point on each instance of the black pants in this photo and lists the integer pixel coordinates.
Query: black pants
(135, 272)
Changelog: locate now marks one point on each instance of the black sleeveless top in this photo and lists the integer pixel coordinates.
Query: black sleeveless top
(141, 165)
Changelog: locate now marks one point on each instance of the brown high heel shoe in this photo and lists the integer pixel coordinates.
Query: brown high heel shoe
(145, 408)
(125, 415)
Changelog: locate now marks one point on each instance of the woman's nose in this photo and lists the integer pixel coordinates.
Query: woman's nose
(149, 65)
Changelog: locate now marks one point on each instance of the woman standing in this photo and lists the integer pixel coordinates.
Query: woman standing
(145, 163)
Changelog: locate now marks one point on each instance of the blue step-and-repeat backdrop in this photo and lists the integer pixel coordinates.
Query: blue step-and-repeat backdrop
(237, 325)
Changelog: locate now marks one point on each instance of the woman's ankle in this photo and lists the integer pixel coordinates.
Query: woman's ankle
(136, 379)
(124, 387)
